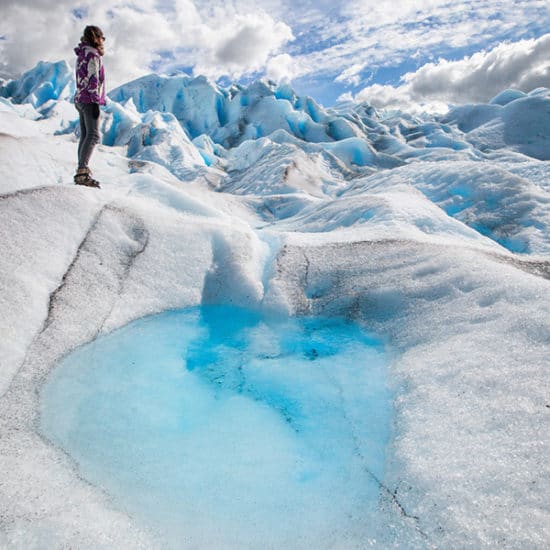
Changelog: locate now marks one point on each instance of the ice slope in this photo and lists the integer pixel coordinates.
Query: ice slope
(498, 200)
(471, 416)
(409, 225)
(516, 121)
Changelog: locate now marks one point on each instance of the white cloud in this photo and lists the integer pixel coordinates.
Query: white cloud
(282, 68)
(523, 65)
(380, 35)
(348, 96)
(335, 40)
(351, 74)
(216, 41)
(242, 44)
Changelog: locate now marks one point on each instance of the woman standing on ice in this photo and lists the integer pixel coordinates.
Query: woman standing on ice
(90, 94)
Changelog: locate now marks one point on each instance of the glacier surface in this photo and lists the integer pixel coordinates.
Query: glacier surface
(431, 232)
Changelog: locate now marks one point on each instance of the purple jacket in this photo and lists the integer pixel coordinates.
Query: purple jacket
(90, 76)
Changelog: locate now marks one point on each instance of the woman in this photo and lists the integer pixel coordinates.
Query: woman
(90, 94)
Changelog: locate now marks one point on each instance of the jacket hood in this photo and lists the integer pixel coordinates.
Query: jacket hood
(82, 49)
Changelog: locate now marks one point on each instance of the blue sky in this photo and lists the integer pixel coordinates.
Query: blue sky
(401, 44)
(388, 53)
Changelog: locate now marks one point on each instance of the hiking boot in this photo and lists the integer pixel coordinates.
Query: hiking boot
(83, 177)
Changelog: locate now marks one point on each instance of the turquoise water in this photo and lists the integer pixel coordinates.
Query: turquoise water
(217, 428)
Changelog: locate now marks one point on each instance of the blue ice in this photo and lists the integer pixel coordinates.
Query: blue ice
(216, 427)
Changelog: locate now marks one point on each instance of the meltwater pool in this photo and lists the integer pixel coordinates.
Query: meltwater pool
(216, 427)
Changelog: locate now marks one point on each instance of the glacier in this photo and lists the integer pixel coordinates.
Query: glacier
(432, 232)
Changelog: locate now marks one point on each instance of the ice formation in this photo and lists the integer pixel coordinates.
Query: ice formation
(433, 232)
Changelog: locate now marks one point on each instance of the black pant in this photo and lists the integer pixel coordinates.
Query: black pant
(89, 131)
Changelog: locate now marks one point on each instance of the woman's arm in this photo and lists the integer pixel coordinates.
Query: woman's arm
(95, 80)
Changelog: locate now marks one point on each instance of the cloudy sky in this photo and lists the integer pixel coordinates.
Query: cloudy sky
(393, 54)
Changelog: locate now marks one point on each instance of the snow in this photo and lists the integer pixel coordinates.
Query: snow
(432, 233)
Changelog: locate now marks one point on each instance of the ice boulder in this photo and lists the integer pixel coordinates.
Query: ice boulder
(212, 153)
(526, 125)
(160, 139)
(232, 115)
(119, 121)
(361, 119)
(353, 151)
(24, 110)
(470, 117)
(521, 124)
(41, 84)
(266, 168)
(506, 97)
(195, 102)
(270, 114)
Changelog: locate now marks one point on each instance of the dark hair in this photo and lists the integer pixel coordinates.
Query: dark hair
(92, 36)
